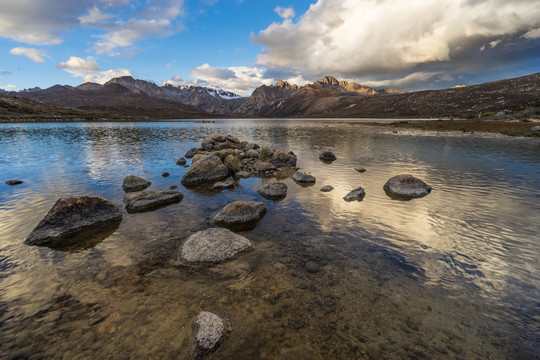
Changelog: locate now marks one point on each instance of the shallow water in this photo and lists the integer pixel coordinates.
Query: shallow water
(451, 275)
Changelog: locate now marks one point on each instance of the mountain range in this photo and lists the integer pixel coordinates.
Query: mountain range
(126, 97)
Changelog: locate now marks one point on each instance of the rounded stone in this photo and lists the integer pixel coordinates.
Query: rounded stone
(207, 170)
(212, 246)
(134, 183)
(303, 178)
(240, 214)
(207, 332)
(263, 166)
(150, 199)
(406, 187)
(273, 190)
(327, 156)
(69, 216)
(165, 174)
(355, 195)
(327, 188)
(182, 161)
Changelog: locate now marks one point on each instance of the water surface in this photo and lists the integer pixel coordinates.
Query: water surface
(451, 275)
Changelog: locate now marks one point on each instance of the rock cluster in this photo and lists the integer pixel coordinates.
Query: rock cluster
(227, 155)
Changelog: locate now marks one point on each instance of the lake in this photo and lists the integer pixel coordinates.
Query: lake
(454, 275)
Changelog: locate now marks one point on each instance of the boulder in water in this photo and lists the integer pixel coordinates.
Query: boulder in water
(240, 215)
(134, 183)
(273, 190)
(150, 199)
(207, 170)
(406, 187)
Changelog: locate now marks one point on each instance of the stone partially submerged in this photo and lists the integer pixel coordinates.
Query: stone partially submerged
(207, 170)
(327, 156)
(151, 199)
(240, 215)
(228, 183)
(273, 190)
(355, 195)
(212, 246)
(74, 223)
(304, 178)
(134, 183)
(406, 187)
(207, 332)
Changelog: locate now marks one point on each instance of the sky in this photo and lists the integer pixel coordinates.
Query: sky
(239, 45)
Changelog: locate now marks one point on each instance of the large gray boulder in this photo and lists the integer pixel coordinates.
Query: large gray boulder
(240, 214)
(207, 170)
(273, 190)
(355, 195)
(304, 178)
(207, 332)
(134, 183)
(406, 187)
(70, 216)
(212, 245)
(151, 199)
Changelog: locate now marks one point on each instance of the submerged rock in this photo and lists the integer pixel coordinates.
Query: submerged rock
(182, 161)
(303, 178)
(327, 188)
(357, 194)
(212, 246)
(240, 215)
(406, 187)
(207, 332)
(151, 199)
(13, 182)
(229, 182)
(134, 183)
(360, 169)
(263, 166)
(165, 174)
(207, 170)
(70, 216)
(274, 190)
(327, 156)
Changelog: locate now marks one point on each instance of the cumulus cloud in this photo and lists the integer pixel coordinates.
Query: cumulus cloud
(8, 87)
(238, 79)
(359, 38)
(94, 16)
(89, 71)
(45, 21)
(33, 54)
(285, 13)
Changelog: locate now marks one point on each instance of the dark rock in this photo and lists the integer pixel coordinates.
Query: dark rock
(303, 178)
(229, 182)
(357, 194)
(240, 215)
(134, 183)
(360, 169)
(207, 333)
(207, 170)
(280, 159)
(252, 154)
(173, 187)
(243, 174)
(212, 246)
(263, 166)
(327, 156)
(182, 161)
(165, 174)
(406, 187)
(274, 190)
(14, 182)
(191, 153)
(72, 216)
(150, 199)
(327, 188)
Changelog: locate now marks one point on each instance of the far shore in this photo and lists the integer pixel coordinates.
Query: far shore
(509, 127)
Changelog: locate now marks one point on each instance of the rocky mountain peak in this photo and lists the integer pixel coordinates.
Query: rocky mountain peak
(285, 85)
(330, 80)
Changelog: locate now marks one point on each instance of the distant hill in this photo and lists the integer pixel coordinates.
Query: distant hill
(329, 97)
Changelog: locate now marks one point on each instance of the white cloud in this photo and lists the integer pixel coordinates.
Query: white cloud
(89, 71)
(356, 38)
(33, 54)
(285, 13)
(8, 87)
(238, 79)
(94, 16)
(532, 34)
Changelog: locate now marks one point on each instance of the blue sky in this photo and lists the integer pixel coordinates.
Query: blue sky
(241, 44)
